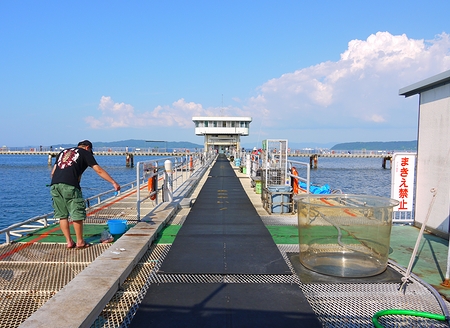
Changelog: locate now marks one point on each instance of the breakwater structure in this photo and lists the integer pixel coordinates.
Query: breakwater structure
(312, 154)
(129, 155)
(386, 157)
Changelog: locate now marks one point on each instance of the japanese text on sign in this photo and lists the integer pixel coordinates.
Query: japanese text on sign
(403, 180)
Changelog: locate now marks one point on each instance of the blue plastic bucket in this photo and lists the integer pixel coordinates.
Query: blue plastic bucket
(116, 226)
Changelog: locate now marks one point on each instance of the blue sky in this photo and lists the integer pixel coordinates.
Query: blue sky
(310, 72)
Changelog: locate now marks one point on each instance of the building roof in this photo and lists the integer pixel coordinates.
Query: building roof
(427, 84)
(222, 118)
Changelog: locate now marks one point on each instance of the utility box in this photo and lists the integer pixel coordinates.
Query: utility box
(280, 198)
(276, 187)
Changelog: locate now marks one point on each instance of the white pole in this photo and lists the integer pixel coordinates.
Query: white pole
(168, 182)
(446, 282)
(138, 194)
(407, 275)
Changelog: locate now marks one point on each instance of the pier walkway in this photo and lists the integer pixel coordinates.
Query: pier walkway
(224, 236)
(107, 285)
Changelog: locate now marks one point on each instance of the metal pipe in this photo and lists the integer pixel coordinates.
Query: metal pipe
(405, 278)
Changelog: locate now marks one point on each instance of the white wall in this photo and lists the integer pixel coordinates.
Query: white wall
(433, 158)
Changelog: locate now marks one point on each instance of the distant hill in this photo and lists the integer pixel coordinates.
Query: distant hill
(378, 145)
(132, 143)
(170, 145)
(293, 145)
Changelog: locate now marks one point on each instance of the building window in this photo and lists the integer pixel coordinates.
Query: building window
(224, 124)
(232, 124)
(215, 124)
(206, 124)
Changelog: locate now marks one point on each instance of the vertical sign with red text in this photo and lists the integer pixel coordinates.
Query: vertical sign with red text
(403, 174)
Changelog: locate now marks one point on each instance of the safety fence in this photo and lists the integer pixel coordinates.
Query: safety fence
(268, 180)
(164, 176)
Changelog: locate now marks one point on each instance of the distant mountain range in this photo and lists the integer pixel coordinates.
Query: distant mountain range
(170, 145)
(374, 145)
(132, 143)
(378, 145)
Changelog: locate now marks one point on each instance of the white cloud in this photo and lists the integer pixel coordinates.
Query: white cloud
(360, 90)
(357, 92)
(114, 115)
(376, 118)
(179, 114)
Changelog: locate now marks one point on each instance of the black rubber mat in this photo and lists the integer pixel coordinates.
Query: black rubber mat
(224, 305)
(223, 233)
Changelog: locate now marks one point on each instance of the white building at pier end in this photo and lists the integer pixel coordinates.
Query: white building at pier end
(222, 133)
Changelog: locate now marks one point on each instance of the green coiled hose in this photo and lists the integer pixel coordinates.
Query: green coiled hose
(428, 315)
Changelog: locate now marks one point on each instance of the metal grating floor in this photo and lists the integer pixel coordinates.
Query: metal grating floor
(30, 274)
(336, 305)
(124, 304)
(26, 286)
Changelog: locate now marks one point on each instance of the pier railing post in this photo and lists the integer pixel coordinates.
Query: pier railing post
(168, 185)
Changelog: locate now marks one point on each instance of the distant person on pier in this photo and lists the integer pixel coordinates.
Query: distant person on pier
(66, 191)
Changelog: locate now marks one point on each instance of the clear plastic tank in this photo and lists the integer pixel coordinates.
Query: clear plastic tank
(345, 235)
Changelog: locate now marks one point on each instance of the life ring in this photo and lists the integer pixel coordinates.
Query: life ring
(152, 186)
(294, 181)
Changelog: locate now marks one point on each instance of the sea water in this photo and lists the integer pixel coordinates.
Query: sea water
(24, 180)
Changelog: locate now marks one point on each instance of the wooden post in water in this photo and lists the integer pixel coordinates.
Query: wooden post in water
(49, 162)
(385, 159)
(313, 160)
(129, 160)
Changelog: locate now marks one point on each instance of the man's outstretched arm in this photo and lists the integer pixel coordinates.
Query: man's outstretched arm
(105, 175)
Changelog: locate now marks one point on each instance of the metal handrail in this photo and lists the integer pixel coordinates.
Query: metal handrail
(29, 225)
(19, 229)
(182, 169)
(110, 192)
(296, 164)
